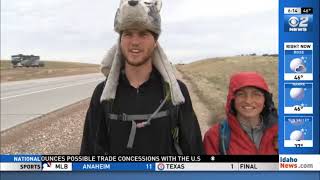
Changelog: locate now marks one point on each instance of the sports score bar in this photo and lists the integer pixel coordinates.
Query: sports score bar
(157, 163)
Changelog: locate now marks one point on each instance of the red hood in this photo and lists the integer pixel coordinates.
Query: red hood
(240, 142)
(240, 80)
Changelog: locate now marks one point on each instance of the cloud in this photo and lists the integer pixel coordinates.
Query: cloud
(212, 37)
(83, 30)
(181, 10)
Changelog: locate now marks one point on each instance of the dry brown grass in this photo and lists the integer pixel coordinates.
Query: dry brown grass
(210, 78)
(51, 69)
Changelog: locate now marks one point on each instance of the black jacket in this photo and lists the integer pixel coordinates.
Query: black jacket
(104, 136)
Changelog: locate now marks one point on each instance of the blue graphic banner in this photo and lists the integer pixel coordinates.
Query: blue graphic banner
(299, 128)
(113, 166)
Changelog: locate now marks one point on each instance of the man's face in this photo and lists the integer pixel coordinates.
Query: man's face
(249, 102)
(137, 46)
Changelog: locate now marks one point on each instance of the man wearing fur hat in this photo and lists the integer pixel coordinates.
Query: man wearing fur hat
(141, 108)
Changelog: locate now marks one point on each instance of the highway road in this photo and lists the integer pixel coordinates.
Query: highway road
(22, 101)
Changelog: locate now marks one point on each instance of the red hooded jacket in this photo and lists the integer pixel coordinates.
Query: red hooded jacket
(240, 142)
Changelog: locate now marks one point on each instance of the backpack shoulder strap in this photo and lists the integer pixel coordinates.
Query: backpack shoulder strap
(224, 138)
(106, 108)
(174, 117)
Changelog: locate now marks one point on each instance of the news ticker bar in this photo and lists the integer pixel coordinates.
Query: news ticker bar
(32, 163)
(138, 158)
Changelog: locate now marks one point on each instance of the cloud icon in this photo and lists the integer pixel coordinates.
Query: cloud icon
(297, 66)
(296, 135)
(297, 93)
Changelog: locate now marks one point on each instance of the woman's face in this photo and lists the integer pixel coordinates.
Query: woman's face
(249, 103)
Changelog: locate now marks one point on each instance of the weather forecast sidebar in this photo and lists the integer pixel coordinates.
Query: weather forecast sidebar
(299, 128)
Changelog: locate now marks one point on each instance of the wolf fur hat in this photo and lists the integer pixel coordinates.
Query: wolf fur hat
(144, 14)
(138, 14)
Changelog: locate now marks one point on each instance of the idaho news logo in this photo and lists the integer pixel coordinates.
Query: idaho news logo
(298, 19)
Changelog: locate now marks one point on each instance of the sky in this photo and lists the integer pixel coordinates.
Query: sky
(82, 30)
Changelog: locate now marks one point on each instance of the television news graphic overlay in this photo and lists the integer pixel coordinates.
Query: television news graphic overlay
(20, 163)
(139, 163)
(159, 163)
(299, 127)
(298, 98)
(168, 166)
(298, 61)
(298, 19)
(305, 162)
(53, 166)
(298, 131)
(181, 163)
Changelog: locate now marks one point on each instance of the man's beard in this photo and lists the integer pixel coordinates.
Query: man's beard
(139, 63)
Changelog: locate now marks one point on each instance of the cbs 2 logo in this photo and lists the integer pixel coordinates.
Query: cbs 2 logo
(298, 21)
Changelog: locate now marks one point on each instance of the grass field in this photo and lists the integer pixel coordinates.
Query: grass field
(51, 69)
(210, 78)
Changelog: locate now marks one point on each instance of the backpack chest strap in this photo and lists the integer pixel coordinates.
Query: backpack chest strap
(126, 117)
(148, 117)
(134, 124)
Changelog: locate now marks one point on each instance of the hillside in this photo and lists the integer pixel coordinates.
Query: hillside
(210, 78)
(51, 69)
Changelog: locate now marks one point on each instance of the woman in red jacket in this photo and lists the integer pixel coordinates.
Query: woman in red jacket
(252, 121)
